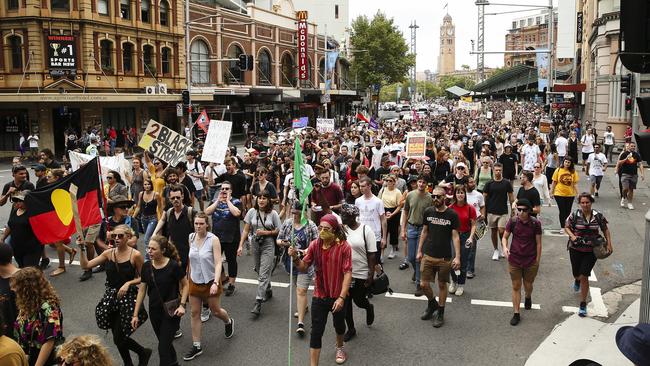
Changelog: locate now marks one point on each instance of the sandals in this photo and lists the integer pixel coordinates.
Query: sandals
(72, 255)
(57, 271)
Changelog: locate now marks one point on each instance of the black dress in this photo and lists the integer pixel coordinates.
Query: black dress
(27, 248)
(573, 150)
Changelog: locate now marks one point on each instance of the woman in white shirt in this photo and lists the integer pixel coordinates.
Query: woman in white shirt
(541, 184)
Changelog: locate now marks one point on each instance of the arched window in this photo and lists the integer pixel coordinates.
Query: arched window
(106, 50)
(102, 7)
(145, 5)
(60, 4)
(125, 9)
(147, 59)
(16, 45)
(165, 60)
(12, 4)
(264, 69)
(164, 13)
(200, 70)
(287, 76)
(321, 71)
(127, 58)
(233, 74)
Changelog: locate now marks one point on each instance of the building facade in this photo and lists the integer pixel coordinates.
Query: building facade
(74, 64)
(447, 56)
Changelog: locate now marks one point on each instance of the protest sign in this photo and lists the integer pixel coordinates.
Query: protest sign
(164, 143)
(216, 142)
(488, 115)
(545, 125)
(301, 122)
(507, 115)
(469, 106)
(324, 125)
(416, 144)
(117, 163)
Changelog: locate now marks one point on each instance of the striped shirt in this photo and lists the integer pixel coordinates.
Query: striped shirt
(331, 265)
(585, 229)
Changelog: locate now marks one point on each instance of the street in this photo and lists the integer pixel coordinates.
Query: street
(476, 325)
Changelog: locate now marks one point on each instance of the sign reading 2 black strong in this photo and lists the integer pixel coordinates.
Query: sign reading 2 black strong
(164, 143)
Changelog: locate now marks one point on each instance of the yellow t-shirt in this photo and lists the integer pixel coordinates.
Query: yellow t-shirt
(564, 181)
(392, 198)
(10, 353)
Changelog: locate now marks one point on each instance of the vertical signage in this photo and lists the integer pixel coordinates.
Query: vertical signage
(303, 64)
(61, 55)
(579, 21)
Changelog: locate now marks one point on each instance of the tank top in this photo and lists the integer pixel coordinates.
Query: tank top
(482, 179)
(201, 260)
(148, 208)
(550, 161)
(117, 274)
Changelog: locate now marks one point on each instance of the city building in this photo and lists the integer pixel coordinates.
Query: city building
(75, 64)
(447, 56)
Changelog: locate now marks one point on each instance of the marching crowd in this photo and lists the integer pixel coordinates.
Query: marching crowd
(369, 201)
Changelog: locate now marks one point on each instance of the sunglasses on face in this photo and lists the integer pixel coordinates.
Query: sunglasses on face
(522, 209)
(110, 177)
(174, 198)
(225, 189)
(117, 236)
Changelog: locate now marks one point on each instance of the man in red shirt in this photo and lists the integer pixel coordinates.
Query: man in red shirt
(331, 256)
(326, 196)
(112, 135)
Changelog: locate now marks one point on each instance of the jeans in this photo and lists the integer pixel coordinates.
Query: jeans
(230, 249)
(164, 327)
(320, 308)
(123, 343)
(264, 255)
(471, 256)
(464, 255)
(149, 225)
(412, 238)
(358, 294)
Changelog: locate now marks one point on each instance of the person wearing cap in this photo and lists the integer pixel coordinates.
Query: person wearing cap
(27, 248)
(523, 254)
(509, 162)
(458, 177)
(294, 233)
(331, 256)
(18, 183)
(634, 343)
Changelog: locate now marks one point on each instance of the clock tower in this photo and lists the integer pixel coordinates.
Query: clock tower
(447, 57)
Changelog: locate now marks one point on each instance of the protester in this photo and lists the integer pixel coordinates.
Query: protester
(466, 229)
(146, 210)
(630, 166)
(564, 189)
(26, 247)
(18, 184)
(8, 309)
(53, 176)
(596, 168)
(373, 214)
(392, 200)
(497, 194)
(476, 199)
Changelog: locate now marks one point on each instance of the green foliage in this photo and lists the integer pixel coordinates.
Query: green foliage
(447, 81)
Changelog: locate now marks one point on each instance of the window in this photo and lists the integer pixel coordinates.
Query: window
(12, 4)
(200, 70)
(16, 45)
(102, 7)
(530, 21)
(449, 41)
(522, 23)
(144, 10)
(106, 49)
(127, 58)
(288, 73)
(233, 74)
(545, 19)
(60, 4)
(166, 61)
(538, 20)
(264, 69)
(514, 25)
(164, 13)
(125, 9)
(147, 58)
(336, 11)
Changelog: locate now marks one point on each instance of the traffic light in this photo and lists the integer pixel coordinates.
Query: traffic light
(643, 137)
(633, 44)
(243, 62)
(628, 104)
(186, 97)
(626, 81)
(250, 62)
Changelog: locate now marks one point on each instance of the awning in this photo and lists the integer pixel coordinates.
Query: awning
(457, 91)
(569, 87)
(86, 97)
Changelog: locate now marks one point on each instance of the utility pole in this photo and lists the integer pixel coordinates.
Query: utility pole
(480, 44)
(188, 70)
(325, 76)
(414, 27)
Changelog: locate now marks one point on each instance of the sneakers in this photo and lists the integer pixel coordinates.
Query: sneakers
(300, 331)
(230, 290)
(230, 329)
(370, 315)
(623, 200)
(45, 263)
(351, 333)
(452, 287)
(205, 314)
(341, 356)
(576, 286)
(193, 353)
(501, 255)
(470, 275)
(528, 303)
(257, 308)
(178, 334)
(459, 290)
(391, 254)
(404, 266)
(582, 312)
(630, 206)
(418, 291)
(515, 319)
(438, 318)
(86, 275)
(268, 294)
(495, 255)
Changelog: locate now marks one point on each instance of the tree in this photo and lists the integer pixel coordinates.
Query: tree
(382, 56)
(464, 67)
(447, 81)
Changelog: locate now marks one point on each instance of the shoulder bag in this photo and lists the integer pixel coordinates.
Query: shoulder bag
(380, 284)
(169, 306)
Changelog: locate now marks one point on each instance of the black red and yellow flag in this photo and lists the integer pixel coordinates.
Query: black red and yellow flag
(49, 208)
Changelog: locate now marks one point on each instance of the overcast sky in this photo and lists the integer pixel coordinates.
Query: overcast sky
(464, 13)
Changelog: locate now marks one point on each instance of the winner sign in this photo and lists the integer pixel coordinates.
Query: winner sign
(303, 64)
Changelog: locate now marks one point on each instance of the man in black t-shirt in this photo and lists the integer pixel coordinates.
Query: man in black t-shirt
(440, 229)
(235, 177)
(629, 166)
(529, 192)
(19, 183)
(509, 162)
(40, 171)
(497, 192)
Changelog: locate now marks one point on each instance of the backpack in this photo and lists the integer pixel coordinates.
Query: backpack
(190, 218)
(514, 221)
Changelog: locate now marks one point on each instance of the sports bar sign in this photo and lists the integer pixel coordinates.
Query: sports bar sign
(303, 64)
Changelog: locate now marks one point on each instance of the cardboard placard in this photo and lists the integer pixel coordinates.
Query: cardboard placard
(416, 143)
(325, 125)
(164, 143)
(216, 141)
(545, 126)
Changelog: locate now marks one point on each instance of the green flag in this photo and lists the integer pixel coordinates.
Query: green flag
(301, 179)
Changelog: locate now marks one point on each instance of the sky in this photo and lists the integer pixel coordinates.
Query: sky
(464, 13)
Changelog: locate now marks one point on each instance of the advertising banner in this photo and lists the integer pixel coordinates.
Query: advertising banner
(416, 143)
(61, 53)
(303, 63)
(216, 141)
(164, 143)
(542, 71)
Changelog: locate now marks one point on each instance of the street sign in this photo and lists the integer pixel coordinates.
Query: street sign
(179, 109)
(325, 98)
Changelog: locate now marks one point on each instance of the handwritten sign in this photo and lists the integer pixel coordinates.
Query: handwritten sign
(545, 125)
(325, 125)
(416, 144)
(469, 106)
(216, 141)
(164, 143)
(507, 115)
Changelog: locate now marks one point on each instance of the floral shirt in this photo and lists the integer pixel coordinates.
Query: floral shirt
(35, 331)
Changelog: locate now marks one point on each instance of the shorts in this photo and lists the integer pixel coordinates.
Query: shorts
(596, 179)
(628, 181)
(497, 221)
(198, 194)
(429, 266)
(302, 280)
(581, 262)
(202, 291)
(527, 273)
(585, 155)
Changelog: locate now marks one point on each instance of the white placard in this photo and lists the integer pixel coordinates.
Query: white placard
(469, 106)
(488, 115)
(324, 125)
(216, 141)
(508, 115)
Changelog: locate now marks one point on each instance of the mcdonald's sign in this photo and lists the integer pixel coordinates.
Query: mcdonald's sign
(302, 15)
(303, 64)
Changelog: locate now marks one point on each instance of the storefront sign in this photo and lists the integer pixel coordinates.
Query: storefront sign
(216, 141)
(61, 52)
(579, 20)
(416, 144)
(325, 125)
(303, 63)
(164, 143)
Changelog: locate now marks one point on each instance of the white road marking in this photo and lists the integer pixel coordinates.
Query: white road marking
(592, 277)
(553, 232)
(398, 295)
(74, 263)
(505, 304)
(255, 282)
(595, 308)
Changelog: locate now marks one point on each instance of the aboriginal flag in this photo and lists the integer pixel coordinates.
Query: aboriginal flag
(49, 208)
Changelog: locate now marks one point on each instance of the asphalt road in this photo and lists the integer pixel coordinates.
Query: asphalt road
(476, 329)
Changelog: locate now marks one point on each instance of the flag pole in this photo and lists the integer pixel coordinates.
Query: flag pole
(293, 242)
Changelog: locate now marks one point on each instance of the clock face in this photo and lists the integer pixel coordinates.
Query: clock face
(450, 31)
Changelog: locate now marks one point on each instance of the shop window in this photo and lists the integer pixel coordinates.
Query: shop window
(264, 69)
(200, 70)
(12, 122)
(125, 9)
(16, 45)
(127, 58)
(12, 4)
(102, 7)
(165, 60)
(106, 59)
(60, 4)
(147, 59)
(233, 74)
(288, 71)
(118, 118)
(144, 10)
(164, 13)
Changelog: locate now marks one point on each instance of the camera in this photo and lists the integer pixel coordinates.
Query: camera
(259, 240)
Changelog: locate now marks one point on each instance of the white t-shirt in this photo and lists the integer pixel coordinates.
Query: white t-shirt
(359, 258)
(195, 168)
(561, 143)
(370, 213)
(596, 163)
(376, 156)
(33, 141)
(587, 143)
(609, 138)
(531, 154)
(476, 199)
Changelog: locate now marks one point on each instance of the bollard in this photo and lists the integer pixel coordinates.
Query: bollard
(644, 311)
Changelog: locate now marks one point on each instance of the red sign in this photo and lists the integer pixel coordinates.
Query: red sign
(303, 64)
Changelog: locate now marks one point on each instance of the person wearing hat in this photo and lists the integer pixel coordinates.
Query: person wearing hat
(634, 343)
(331, 256)
(40, 171)
(27, 248)
(510, 163)
(523, 254)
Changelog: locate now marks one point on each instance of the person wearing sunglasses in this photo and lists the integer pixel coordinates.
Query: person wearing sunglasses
(123, 265)
(523, 254)
(596, 168)
(115, 186)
